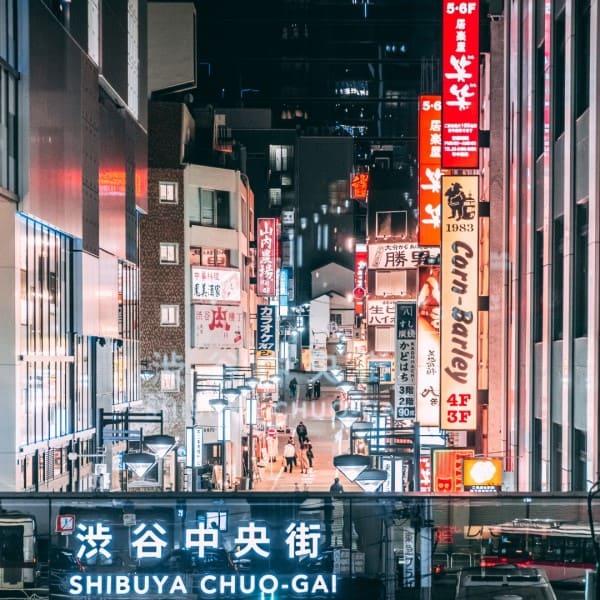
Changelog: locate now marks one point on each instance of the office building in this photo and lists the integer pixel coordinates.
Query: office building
(72, 186)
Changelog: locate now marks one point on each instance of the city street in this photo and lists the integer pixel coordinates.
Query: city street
(327, 436)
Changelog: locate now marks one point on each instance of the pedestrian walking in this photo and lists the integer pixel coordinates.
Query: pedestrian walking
(293, 387)
(337, 403)
(304, 458)
(317, 388)
(309, 390)
(336, 486)
(301, 432)
(309, 453)
(289, 452)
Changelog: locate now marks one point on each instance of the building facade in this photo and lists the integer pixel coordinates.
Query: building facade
(72, 184)
(199, 310)
(546, 207)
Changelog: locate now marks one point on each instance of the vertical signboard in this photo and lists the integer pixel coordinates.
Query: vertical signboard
(428, 346)
(406, 336)
(460, 84)
(409, 571)
(265, 344)
(360, 278)
(459, 286)
(430, 171)
(266, 264)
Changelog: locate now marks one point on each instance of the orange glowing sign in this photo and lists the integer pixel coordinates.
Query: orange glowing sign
(447, 467)
(359, 184)
(111, 182)
(482, 474)
(430, 171)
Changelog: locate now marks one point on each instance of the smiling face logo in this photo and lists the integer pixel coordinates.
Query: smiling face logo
(482, 471)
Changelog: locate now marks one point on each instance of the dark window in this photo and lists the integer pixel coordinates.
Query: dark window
(579, 460)
(580, 283)
(556, 445)
(582, 56)
(538, 285)
(557, 279)
(559, 75)
(537, 464)
(212, 209)
(539, 101)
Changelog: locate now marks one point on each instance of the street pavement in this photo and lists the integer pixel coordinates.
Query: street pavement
(327, 436)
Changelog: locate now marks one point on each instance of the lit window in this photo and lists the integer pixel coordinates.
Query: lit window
(384, 339)
(391, 283)
(274, 197)
(169, 315)
(169, 253)
(167, 192)
(169, 381)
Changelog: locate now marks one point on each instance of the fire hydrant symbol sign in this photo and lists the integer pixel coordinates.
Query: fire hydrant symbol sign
(65, 524)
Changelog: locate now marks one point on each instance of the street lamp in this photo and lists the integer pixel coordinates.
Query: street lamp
(351, 465)
(345, 386)
(370, 480)
(348, 417)
(337, 373)
(251, 413)
(220, 405)
(359, 429)
(160, 446)
(139, 464)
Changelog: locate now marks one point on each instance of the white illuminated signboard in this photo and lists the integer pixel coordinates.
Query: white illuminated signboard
(460, 295)
(149, 540)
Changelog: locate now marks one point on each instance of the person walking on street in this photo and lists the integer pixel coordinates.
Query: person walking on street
(289, 452)
(336, 486)
(309, 453)
(304, 458)
(293, 387)
(302, 432)
(309, 390)
(317, 388)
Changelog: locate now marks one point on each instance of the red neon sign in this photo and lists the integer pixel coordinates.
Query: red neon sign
(266, 267)
(430, 171)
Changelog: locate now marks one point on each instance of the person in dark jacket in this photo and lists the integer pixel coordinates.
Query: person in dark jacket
(301, 432)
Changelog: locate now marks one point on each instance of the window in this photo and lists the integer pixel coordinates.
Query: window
(280, 158)
(167, 192)
(169, 381)
(538, 286)
(392, 223)
(557, 279)
(384, 339)
(211, 209)
(169, 315)
(391, 283)
(169, 253)
(582, 18)
(580, 295)
(559, 75)
(335, 318)
(274, 197)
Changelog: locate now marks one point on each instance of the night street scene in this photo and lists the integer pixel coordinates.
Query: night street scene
(300, 300)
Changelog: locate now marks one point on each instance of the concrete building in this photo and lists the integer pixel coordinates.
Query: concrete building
(72, 185)
(545, 239)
